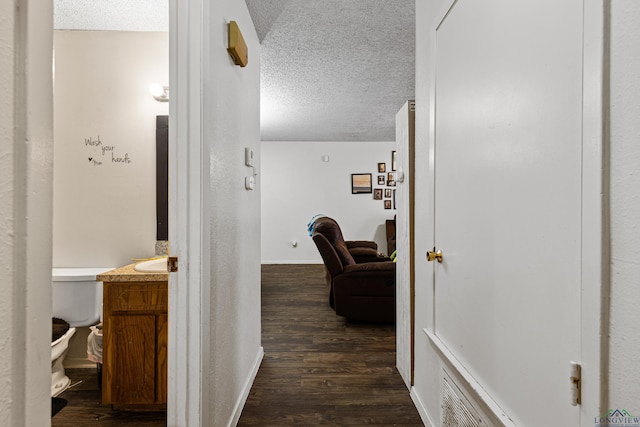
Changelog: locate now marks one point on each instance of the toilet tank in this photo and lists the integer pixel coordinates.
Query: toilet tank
(77, 296)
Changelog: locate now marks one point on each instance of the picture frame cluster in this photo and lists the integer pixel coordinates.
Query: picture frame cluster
(386, 181)
(362, 183)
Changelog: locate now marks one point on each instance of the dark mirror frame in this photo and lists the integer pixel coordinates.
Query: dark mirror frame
(162, 177)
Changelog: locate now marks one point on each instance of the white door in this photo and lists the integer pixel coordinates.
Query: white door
(508, 121)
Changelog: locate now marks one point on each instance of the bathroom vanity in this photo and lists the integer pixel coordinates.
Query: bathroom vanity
(134, 370)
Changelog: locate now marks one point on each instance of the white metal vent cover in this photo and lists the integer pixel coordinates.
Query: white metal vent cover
(456, 409)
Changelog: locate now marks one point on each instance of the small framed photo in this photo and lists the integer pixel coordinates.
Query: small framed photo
(361, 183)
(387, 204)
(391, 179)
(381, 180)
(382, 167)
(387, 192)
(377, 194)
(393, 160)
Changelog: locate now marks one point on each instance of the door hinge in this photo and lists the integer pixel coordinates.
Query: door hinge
(172, 264)
(576, 383)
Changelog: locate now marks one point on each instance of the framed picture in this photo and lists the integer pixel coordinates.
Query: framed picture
(381, 180)
(382, 167)
(387, 192)
(387, 204)
(360, 183)
(393, 160)
(377, 194)
(391, 182)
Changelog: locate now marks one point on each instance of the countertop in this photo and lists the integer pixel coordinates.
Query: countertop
(128, 274)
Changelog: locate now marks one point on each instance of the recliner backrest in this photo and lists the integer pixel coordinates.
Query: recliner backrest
(330, 229)
(329, 255)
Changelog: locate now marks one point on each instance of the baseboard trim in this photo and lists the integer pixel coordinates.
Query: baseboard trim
(237, 411)
(422, 410)
(78, 363)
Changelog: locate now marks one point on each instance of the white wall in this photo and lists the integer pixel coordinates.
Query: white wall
(625, 206)
(297, 184)
(104, 211)
(231, 253)
(26, 135)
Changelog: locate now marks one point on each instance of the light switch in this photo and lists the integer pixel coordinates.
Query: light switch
(248, 156)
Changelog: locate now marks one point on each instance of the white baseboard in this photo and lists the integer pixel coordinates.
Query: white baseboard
(422, 410)
(237, 411)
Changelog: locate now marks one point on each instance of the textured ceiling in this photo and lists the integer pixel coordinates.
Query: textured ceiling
(334, 70)
(331, 70)
(111, 15)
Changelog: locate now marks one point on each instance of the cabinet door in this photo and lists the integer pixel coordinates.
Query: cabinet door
(161, 358)
(130, 366)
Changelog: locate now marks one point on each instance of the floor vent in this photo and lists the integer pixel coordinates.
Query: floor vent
(456, 409)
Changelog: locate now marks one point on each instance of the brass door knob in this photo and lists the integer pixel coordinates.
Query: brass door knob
(433, 255)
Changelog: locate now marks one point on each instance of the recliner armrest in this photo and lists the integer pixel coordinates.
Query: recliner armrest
(361, 244)
(367, 254)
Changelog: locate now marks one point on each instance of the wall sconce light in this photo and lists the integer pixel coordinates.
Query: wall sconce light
(159, 92)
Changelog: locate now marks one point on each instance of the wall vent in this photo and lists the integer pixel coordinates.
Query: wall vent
(456, 409)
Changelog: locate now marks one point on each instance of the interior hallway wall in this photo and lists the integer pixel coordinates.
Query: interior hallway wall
(231, 312)
(297, 184)
(26, 144)
(104, 145)
(624, 386)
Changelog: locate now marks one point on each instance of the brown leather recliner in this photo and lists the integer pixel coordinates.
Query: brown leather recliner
(362, 291)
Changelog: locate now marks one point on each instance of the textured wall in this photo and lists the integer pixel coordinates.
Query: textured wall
(297, 185)
(25, 212)
(104, 210)
(7, 190)
(231, 121)
(625, 206)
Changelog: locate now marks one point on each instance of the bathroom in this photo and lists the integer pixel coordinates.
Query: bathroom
(104, 183)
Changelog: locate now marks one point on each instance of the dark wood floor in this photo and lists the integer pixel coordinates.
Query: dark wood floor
(84, 407)
(318, 368)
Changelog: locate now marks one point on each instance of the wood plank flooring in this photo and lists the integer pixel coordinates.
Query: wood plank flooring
(84, 407)
(318, 369)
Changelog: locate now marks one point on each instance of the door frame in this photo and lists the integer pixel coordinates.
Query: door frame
(185, 358)
(595, 280)
(29, 391)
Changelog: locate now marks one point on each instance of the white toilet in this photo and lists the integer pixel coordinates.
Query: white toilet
(77, 299)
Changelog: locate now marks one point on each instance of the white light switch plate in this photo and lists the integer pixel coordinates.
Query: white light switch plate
(248, 156)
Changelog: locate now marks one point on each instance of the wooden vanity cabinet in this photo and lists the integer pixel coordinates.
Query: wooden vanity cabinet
(134, 370)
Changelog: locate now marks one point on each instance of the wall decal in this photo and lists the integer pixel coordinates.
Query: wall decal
(93, 142)
(124, 159)
(97, 144)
